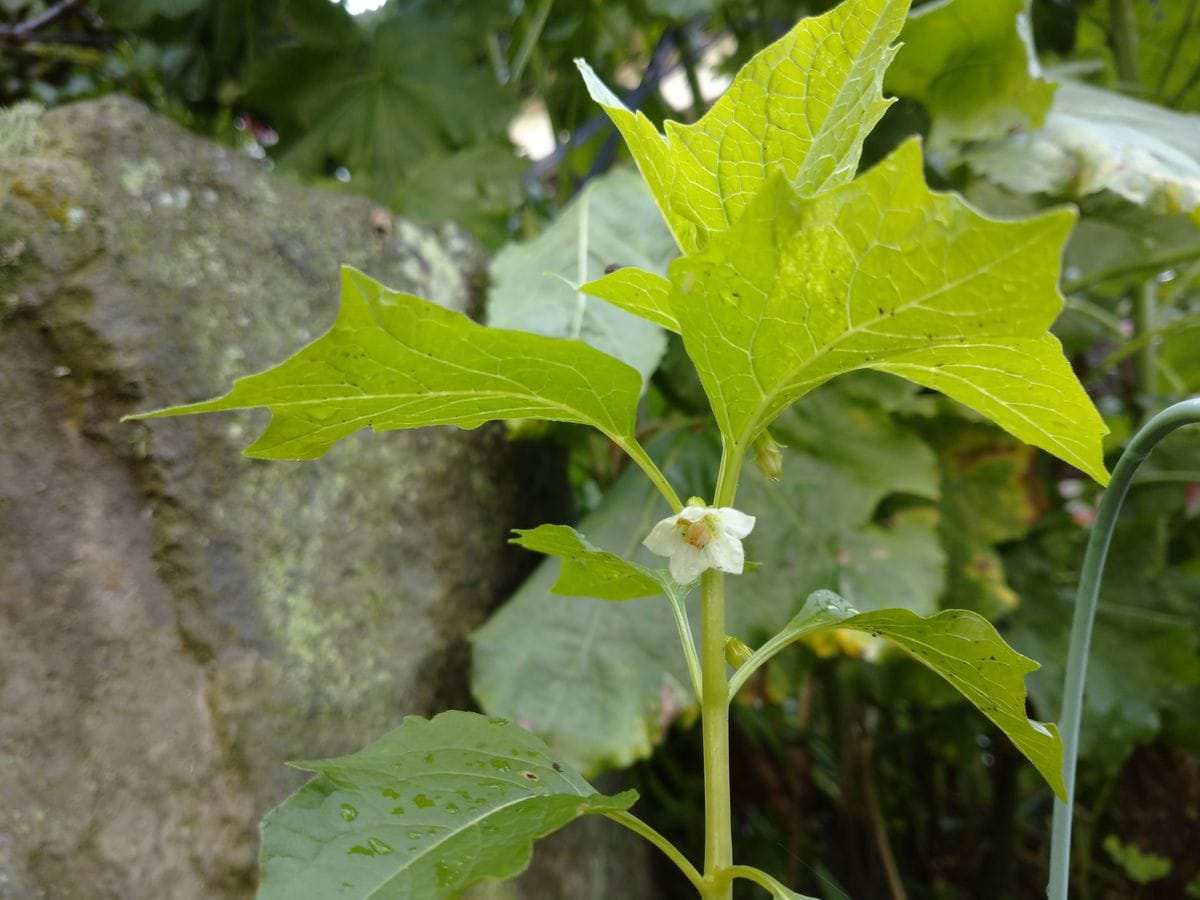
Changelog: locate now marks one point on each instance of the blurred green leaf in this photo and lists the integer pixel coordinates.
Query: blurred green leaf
(403, 90)
(426, 811)
(1144, 648)
(393, 360)
(990, 495)
(1139, 866)
(1168, 47)
(972, 64)
(137, 13)
(612, 222)
(844, 455)
(478, 187)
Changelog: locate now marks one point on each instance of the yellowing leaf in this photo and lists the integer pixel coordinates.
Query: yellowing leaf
(393, 360)
(884, 274)
(801, 107)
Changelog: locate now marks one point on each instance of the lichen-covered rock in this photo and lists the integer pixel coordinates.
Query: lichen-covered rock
(177, 620)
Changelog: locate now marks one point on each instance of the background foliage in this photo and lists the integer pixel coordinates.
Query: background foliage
(847, 754)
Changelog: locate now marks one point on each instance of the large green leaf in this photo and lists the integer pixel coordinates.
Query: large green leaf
(1096, 140)
(972, 65)
(612, 222)
(963, 648)
(426, 811)
(801, 107)
(393, 360)
(884, 274)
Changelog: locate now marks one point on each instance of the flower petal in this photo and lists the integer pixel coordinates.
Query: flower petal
(687, 563)
(726, 554)
(735, 522)
(664, 539)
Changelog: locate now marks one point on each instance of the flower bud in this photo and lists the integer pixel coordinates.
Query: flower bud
(736, 652)
(768, 456)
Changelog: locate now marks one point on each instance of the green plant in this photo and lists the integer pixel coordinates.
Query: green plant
(795, 269)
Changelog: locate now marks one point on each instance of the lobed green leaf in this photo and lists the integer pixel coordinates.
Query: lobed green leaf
(426, 811)
(801, 107)
(885, 274)
(393, 360)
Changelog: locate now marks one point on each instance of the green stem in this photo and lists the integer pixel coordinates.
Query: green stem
(532, 32)
(1096, 314)
(1145, 315)
(1175, 326)
(1176, 46)
(1186, 412)
(1155, 262)
(679, 609)
(714, 713)
(638, 827)
(687, 58)
(763, 880)
(639, 455)
(781, 640)
(1124, 42)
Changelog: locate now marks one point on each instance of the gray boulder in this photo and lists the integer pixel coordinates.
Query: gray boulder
(176, 621)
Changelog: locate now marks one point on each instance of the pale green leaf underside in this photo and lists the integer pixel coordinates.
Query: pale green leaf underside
(613, 221)
(600, 682)
(588, 571)
(801, 107)
(963, 648)
(885, 274)
(426, 811)
(1097, 140)
(969, 62)
(393, 361)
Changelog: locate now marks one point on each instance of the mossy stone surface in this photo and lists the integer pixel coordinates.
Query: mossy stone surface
(176, 620)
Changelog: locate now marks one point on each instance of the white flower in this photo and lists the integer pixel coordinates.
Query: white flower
(701, 537)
